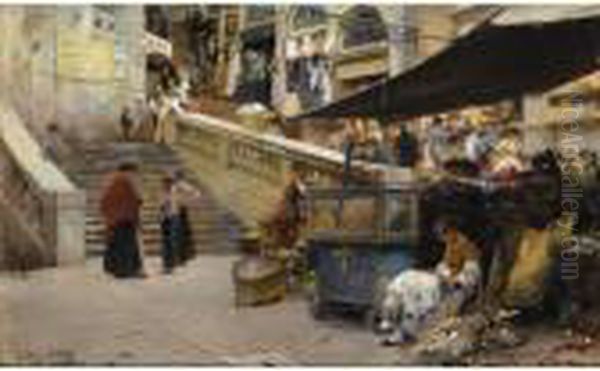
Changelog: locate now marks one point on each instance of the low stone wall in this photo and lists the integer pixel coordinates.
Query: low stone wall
(48, 211)
(247, 171)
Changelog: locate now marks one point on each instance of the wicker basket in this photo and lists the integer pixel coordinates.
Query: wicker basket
(258, 281)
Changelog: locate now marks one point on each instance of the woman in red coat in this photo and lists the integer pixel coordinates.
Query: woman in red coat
(120, 207)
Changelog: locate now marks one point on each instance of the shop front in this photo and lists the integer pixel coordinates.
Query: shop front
(256, 56)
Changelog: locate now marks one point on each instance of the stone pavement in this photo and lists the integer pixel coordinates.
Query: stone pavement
(78, 315)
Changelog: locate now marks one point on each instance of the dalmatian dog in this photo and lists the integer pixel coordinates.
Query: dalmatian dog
(415, 297)
(409, 299)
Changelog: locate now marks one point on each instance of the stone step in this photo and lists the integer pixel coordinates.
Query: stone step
(214, 228)
(224, 237)
(154, 202)
(153, 250)
(95, 174)
(154, 227)
(153, 216)
(100, 240)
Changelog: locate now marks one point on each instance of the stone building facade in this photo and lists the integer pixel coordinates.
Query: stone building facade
(320, 53)
(74, 65)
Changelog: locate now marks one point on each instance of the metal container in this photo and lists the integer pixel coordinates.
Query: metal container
(360, 238)
(352, 274)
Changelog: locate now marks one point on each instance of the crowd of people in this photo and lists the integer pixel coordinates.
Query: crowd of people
(493, 150)
(153, 119)
(407, 145)
(500, 199)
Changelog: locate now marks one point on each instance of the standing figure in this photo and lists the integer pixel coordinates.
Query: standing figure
(437, 142)
(408, 148)
(120, 207)
(177, 242)
(234, 68)
(380, 151)
(126, 123)
(142, 119)
(290, 214)
(165, 130)
(52, 143)
(170, 225)
(186, 194)
(153, 107)
(473, 146)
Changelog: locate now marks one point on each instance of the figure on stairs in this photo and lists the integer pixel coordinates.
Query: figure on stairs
(126, 123)
(165, 125)
(177, 244)
(120, 207)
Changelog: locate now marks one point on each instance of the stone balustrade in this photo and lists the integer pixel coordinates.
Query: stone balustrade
(247, 170)
(49, 210)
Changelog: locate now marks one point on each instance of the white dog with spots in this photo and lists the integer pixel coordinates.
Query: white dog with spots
(414, 297)
(409, 300)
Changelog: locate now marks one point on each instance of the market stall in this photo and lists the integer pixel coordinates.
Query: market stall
(509, 208)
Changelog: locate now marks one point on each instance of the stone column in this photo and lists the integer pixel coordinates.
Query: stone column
(15, 59)
(222, 48)
(402, 49)
(4, 55)
(42, 45)
(279, 83)
(130, 58)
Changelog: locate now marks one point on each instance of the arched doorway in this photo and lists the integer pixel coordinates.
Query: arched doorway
(257, 53)
(201, 29)
(362, 50)
(362, 25)
(308, 16)
(157, 20)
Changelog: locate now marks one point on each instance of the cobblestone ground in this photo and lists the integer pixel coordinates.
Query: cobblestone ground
(79, 315)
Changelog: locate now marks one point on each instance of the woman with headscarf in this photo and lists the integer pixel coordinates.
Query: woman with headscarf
(120, 207)
(459, 270)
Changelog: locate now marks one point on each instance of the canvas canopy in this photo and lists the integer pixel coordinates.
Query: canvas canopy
(518, 51)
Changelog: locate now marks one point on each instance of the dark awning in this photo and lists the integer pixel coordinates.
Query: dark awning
(496, 61)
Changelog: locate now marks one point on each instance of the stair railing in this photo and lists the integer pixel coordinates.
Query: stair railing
(247, 170)
(46, 202)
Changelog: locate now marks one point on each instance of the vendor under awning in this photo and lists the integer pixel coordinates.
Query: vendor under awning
(514, 53)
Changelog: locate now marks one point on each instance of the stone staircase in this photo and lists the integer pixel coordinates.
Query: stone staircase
(215, 230)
